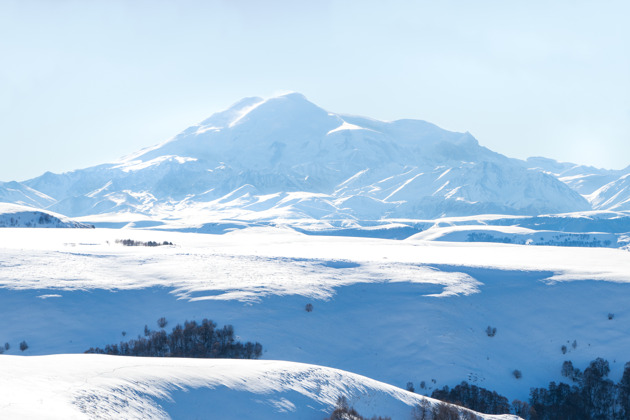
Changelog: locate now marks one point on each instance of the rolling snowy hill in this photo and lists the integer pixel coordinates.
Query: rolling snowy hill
(13, 215)
(286, 157)
(100, 387)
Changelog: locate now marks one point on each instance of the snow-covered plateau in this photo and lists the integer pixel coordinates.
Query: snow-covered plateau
(395, 311)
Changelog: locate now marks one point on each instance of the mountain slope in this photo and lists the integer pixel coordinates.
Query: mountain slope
(604, 189)
(350, 167)
(614, 196)
(13, 215)
(18, 193)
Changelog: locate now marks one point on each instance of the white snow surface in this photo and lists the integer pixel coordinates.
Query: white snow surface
(256, 262)
(110, 387)
(265, 262)
(136, 165)
(614, 196)
(605, 189)
(520, 235)
(392, 310)
(18, 193)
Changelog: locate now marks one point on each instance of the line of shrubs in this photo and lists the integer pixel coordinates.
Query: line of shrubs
(131, 242)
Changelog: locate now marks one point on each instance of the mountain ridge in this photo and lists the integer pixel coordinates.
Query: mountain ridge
(349, 165)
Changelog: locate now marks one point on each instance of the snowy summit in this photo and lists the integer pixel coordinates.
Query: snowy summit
(287, 157)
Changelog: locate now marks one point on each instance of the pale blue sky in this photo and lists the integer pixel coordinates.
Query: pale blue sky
(86, 82)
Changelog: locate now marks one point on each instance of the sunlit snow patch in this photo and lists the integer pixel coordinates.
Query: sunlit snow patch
(136, 165)
(345, 126)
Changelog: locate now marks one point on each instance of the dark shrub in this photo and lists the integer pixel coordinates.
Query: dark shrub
(474, 398)
(343, 411)
(445, 412)
(162, 322)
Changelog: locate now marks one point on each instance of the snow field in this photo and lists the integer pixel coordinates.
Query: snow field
(395, 311)
(109, 387)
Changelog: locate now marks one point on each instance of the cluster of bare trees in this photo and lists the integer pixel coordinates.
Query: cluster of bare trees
(193, 339)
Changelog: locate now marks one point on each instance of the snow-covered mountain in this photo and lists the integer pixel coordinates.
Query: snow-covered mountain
(18, 193)
(614, 195)
(286, 157)
(604, 189)
(14, 215)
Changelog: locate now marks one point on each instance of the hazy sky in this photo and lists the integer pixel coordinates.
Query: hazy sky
(86, 82)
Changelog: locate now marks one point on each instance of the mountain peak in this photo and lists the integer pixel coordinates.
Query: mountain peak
(286, 144)
(295, 96)
(225, 118)
(289, 105)
(286, 106)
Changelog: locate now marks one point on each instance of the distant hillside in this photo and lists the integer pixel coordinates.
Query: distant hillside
(13, 215)
(18, 193)
(605, 189)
